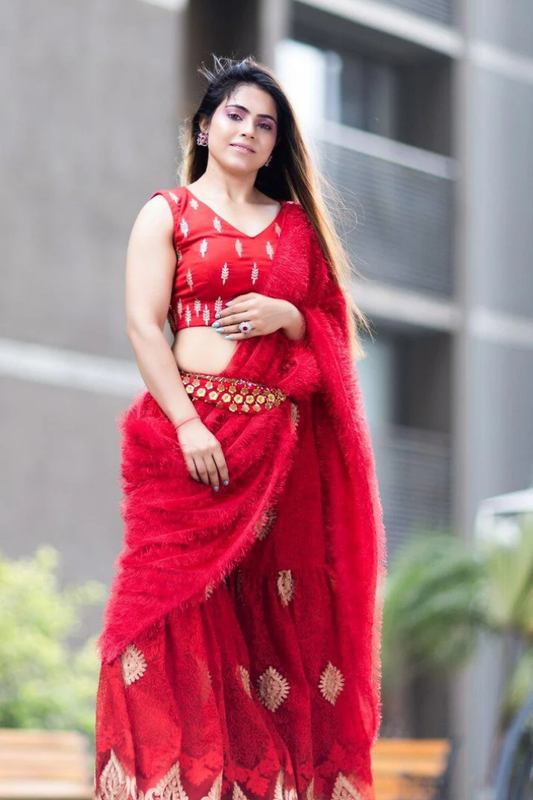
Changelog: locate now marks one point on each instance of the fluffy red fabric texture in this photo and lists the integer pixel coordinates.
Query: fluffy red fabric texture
(181, 537)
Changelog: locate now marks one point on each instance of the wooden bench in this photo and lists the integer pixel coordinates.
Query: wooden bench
(411, 769)
(44, 765)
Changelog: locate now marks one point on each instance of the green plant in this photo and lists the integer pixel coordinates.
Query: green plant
(442, 592)
(44, 682)
(433, 610)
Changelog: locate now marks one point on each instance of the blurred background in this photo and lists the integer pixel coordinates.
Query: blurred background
(420, 113)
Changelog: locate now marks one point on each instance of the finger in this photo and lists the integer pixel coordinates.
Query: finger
(201, 468)
(220, 461)
(212, 471)
(237, 334)
(232, 319)
(232, 329)
(191, 466)
(239, 299)
(225, 313)
(237, 304)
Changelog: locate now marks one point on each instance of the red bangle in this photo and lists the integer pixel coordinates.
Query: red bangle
(186, 420)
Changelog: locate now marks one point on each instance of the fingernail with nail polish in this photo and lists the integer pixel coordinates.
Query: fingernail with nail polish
(216, 488)
(215, 324)
(217, 315)
(228, 336)
(225, 483)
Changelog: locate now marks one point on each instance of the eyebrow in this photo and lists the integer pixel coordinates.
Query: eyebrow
(243, 108)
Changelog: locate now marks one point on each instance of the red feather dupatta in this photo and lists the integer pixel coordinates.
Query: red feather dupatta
(181, 538)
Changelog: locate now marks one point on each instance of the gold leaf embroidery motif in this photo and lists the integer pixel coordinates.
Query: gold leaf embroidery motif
(208, 591)
(295, 414)
(280, 793)
(113, 784)
(285, 586)
(170, 786)
(273, 688)
(238, 793)
(133, 664)
(331, 683)
(278, 790)
(245, 678)
(215, 792)
(344, 790)
(266, 523)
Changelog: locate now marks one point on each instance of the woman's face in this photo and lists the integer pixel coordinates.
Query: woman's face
(243, 130)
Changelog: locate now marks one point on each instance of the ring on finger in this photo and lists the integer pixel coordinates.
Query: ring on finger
(245, 326)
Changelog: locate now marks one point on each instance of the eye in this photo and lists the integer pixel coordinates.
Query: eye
(233, 114)
(267, 126)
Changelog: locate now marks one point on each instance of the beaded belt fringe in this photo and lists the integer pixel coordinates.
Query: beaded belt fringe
(236, 394)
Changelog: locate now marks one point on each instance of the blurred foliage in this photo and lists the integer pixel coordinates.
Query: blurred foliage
(44, 682)
(433, 609)
(442, 593)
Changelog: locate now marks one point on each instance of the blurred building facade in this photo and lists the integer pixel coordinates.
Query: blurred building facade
(420, 112)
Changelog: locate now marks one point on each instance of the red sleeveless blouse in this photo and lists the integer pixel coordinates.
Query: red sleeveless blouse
(214, 260)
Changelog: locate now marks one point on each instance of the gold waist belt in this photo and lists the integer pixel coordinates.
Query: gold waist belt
(235, 394)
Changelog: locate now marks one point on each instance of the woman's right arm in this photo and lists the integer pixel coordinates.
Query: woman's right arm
(150, 268)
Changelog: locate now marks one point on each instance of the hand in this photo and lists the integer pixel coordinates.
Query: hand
(266, 314)
(203, 453)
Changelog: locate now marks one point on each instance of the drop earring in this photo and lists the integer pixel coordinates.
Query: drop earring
(202, 138)
(269, 159)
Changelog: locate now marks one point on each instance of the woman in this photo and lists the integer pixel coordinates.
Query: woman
(240, 649)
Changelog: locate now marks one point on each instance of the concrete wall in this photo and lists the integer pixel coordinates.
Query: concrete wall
(92, 95)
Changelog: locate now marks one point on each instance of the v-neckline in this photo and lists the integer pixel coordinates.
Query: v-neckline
(221, 218)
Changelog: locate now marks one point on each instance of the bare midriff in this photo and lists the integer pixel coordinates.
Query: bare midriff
(202, 349)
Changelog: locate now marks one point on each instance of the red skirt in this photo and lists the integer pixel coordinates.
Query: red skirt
(243, 695)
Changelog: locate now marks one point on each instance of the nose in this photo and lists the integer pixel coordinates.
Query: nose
(249, 128)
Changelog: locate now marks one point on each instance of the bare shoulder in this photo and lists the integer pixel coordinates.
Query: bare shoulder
(157, 209)
(155, 216)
